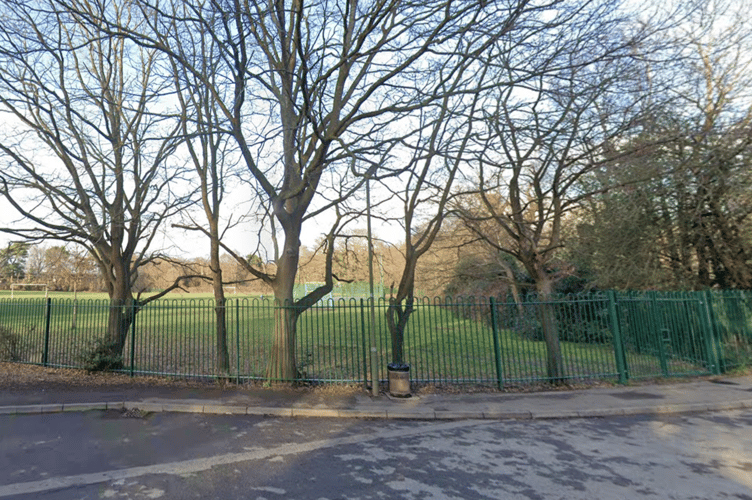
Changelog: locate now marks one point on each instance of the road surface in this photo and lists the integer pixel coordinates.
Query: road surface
(105, 454)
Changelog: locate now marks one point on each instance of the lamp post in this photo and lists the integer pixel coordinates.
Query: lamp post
(374, 350)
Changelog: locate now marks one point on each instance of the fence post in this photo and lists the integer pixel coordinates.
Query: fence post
(47, 313)
(714, 329)
(133, 337)
(497, 344)
(712, 355)
(616, 332)
(658, 332)
(237, 340)
(375, 378)
(364, 344)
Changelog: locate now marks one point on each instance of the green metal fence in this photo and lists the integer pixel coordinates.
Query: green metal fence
(618, 336)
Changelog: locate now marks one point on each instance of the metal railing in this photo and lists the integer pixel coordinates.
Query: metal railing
(617, 336)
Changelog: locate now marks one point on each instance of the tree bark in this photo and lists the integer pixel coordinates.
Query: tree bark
(122, 313)
(223, 357)
(282, 363)
(398, 316)
(554, 361)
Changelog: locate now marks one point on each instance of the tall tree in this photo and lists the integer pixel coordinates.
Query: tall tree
(705, 194)
(435, 155)
(204, 129)
(13, 260)
(695, 211)
(312, 85)
(565, 96)
(86, 151)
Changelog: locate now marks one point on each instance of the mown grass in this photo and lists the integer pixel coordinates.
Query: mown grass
(442, 344)
(175, 295)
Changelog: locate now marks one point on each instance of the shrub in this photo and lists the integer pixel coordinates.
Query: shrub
(11, 345)
(529, 327)
(102, 355)
(591, 332)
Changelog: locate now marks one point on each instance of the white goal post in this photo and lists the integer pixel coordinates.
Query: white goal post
(228, 288)
(13, 286)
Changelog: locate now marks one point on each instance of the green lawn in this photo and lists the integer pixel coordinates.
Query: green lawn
(39, 294)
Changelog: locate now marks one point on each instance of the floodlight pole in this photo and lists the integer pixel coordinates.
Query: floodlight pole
(374, 349)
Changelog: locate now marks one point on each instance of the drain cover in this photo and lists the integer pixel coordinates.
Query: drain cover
(133, 413)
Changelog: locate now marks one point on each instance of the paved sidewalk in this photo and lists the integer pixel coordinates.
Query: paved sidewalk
(679, 397)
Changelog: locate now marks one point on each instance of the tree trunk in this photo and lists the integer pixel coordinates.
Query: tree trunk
(282, 363)
(121, 316)
(397, 317)
(513, 286)
(397, 314)
(223, 357)
(554, 361)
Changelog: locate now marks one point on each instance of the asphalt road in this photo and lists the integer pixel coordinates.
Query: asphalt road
(180, 456)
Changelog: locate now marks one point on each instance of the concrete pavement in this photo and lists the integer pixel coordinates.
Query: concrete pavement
(713, 394)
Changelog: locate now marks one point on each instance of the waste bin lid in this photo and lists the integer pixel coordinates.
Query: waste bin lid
(398, 367)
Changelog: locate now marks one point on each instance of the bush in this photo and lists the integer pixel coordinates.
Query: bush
(529, 327)
(102, 355)
(574, 323)
(11, 345)
(591, 332)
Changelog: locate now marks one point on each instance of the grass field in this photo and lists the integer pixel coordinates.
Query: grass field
(443, 344)
(40, 294)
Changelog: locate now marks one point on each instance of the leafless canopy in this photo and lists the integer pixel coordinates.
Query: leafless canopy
(87, 142)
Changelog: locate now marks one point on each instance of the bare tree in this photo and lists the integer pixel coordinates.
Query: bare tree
(436, 154)
(87, 146)
(312, 85)
(554, 119)
(702, 193)
(207, 144)
(690, 225)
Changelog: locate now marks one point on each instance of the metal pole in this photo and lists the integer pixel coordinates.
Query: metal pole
(658, 331)
(706, 330)
(621, 365)
(47, 313)
(374, 350)
(714, 332)
(365, 343)
(237, 339)
(133, 337)
(497, 344)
